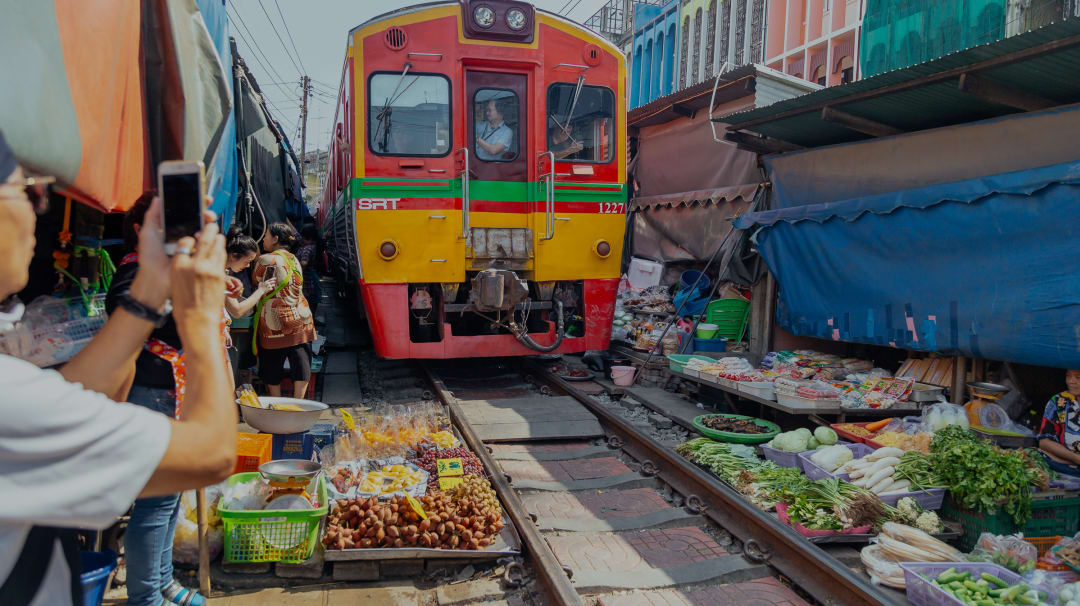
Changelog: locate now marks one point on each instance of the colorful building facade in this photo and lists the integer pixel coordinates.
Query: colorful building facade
(652, 62)
(817, 40)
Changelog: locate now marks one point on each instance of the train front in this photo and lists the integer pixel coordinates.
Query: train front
(489, 186)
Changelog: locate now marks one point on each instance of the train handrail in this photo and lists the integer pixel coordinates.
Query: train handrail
(549, 195)
(465, 194)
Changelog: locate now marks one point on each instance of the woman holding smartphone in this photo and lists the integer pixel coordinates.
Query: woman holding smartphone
(284, 328)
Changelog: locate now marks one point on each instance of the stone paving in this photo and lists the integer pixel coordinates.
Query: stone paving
(602, 506)
(635, 551)
(565, 471)
(762, 592)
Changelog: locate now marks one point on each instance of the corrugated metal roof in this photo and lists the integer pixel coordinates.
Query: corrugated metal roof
(1043, 62)
(767, 84)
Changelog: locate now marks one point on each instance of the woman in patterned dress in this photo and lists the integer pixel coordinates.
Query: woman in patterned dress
(284, 328)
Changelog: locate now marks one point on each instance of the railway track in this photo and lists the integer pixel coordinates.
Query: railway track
(609, 510)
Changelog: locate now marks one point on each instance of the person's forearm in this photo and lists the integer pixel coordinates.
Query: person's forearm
(1059, 451)
(203, 447)
(241, 308)
(106, 364)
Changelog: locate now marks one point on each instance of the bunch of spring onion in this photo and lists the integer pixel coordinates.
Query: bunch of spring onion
(725, 460)
(854, 506)
(917, 469)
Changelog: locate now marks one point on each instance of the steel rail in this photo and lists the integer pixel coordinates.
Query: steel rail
(548, 569)
(766, 539)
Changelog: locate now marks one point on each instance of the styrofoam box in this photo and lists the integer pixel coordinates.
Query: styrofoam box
(763, 390)
(643, 273)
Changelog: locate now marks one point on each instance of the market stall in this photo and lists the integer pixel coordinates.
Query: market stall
(946, 501)
(395, 483)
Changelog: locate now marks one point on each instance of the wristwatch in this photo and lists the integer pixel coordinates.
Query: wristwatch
(142, 310)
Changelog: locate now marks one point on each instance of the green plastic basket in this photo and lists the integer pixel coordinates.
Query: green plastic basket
(271, 535)
(737, 438)
(1049, 517)
(677, 362)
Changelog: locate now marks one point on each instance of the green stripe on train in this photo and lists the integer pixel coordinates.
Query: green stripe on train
(382, 187)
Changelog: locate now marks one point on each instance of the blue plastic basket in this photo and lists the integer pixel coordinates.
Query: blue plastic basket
(97, 566)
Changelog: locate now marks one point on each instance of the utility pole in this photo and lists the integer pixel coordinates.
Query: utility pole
(306, 82)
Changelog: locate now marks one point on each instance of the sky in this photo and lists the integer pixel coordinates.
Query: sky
(282, 39)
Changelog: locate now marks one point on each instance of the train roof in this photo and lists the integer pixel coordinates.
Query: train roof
(428, 5)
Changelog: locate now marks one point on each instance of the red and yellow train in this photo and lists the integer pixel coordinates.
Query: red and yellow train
(476, 189)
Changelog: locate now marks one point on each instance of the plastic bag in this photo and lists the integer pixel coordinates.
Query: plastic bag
(246, 496)
(186, 539)
(1011, 552)
(939, 416)
(995, 417)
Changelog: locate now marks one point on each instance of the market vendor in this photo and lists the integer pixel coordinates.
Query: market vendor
(1059, 434)
(71, 456)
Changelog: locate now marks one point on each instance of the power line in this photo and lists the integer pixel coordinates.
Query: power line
(286, 24)
(276, 33)
(256, 50)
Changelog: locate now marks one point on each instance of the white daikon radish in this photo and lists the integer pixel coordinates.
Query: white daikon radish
(881, 453)
(898, 487)
(882, 484)
(879, 475)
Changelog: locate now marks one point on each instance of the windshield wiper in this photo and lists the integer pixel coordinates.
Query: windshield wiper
(387, 108)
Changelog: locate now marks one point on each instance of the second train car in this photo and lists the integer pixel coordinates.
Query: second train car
(476, 184)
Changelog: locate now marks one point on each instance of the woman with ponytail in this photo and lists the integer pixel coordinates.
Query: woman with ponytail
(284, 328)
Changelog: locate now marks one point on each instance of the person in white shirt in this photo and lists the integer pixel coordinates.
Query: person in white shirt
(493, 136)
(72, 455)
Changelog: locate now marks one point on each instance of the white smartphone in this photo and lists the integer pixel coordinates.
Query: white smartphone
(182, 187)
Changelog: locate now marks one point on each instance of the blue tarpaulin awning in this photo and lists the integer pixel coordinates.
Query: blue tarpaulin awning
(983, 267)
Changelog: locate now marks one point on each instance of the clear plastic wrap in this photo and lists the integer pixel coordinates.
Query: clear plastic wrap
(883, 570)
(1011, 552)
(995, 417)
(939, 416)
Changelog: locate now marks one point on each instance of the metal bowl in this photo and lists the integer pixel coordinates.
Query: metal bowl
(289, 470)
(283, 421)
(988, 390)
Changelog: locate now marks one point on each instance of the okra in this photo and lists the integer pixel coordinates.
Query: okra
(986, 576)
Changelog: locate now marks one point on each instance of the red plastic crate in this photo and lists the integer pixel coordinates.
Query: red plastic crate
(850, 437)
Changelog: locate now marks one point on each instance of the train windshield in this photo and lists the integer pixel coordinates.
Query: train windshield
(409, 114)
(589, 134)
(496, 119)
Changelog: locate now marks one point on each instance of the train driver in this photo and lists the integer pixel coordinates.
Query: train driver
(493, 136)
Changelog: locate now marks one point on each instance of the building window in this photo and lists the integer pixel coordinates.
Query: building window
(697, 47)
(409, 115)
(757, 41)
(847, 70)
(725, 33)
(710, 42)
(684, 53)
(819, 75)
(496, 118)
(740, 32)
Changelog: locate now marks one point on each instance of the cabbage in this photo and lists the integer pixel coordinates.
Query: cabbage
(832, 457)
(825, 435)
(812, 444)
(805, 432)
(791, 441)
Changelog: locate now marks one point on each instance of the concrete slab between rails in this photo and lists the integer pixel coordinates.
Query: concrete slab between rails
(340, 362)
(568, 455)
(623, 480)
(344, 389)
(732, 569)
(655, 519)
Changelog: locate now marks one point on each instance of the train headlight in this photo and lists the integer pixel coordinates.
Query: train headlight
(516, 19)
(388, 250)
(484, 16)
(602, 248)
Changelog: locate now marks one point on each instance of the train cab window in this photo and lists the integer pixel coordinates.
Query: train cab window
(581, 123)
(409, 115)
(495, 114)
